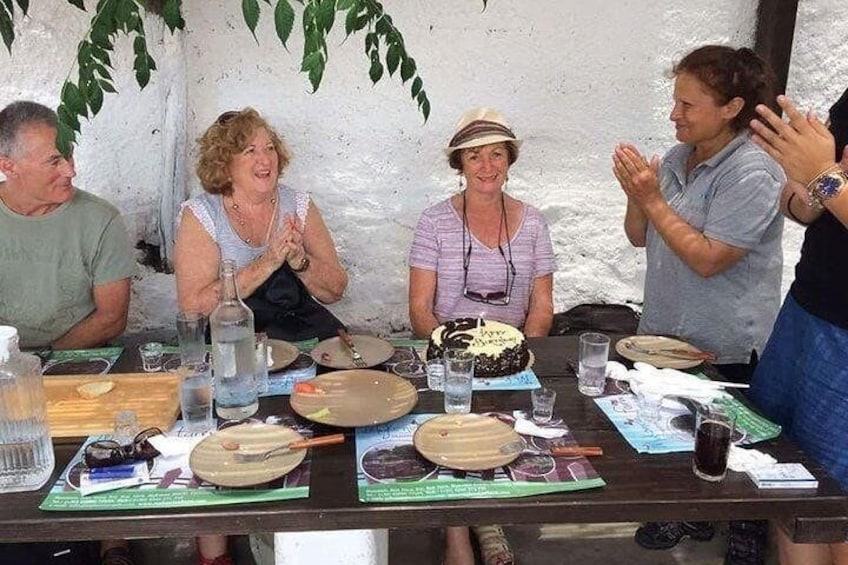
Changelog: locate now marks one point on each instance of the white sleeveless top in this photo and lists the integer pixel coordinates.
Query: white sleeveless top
(209, 211)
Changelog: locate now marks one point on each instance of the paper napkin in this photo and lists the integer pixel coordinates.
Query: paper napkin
(528, 428)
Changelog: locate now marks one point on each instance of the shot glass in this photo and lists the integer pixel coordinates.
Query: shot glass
(196, 397)
(592, 363)
(126, 426)
(191, 335)
(151, 356)
(543, 404)
(459, 372)
(436, 374)
(713, 430)
(649, 403)
(261, 371)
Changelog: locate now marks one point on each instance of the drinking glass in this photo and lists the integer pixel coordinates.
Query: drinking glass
(592, 363)
(435, 374)
(649, 403)
(261, 363)
(713, 429)
(196, 397)
(191, 334)
(543, 404)
(459, 372)
(151, 356)
(126, 426)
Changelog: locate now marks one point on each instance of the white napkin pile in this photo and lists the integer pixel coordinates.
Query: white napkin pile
(745, 459)
(174, 446)
(526, 427)
(648, 379)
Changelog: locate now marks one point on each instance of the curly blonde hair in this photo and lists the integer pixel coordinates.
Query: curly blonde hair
(227, 137)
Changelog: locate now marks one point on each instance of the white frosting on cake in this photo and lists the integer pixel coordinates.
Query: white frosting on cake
(488, 337)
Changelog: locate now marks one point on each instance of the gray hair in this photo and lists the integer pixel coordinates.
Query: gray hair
(16, 116)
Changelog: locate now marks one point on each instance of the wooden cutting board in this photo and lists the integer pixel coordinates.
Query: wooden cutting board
(155, 397)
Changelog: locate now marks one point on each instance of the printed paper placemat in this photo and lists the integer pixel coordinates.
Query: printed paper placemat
(173, 485)
(673, 430)
(389, 469)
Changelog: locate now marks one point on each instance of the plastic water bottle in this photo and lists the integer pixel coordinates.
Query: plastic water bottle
(26, 452)
(233, 351)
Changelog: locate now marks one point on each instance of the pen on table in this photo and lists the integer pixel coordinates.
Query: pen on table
(116, 472)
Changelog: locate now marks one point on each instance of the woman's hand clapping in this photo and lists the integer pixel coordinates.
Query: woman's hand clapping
(286, 243)
(638, 177)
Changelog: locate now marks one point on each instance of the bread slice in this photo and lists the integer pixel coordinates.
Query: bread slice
(95, 389)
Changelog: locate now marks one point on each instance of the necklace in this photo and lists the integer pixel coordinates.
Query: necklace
(248, 231)
(484, 236)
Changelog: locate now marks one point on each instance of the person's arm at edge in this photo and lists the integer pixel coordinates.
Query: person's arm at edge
(540, 310)
(803, 146)
(107, 321)
(422, 295)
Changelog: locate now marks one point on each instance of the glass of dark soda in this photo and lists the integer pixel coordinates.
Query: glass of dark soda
(713, 430)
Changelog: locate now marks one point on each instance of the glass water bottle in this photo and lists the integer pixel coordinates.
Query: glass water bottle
(233, 351)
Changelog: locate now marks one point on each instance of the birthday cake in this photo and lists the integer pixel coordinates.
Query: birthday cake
(499, 348)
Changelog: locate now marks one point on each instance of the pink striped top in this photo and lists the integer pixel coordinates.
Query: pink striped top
(437, 246)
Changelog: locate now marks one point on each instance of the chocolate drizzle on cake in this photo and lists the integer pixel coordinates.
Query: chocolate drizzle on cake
(498, 360)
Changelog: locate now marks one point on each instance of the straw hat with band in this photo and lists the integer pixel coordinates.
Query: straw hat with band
(481, 126)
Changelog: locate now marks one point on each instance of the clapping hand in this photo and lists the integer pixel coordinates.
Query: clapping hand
(638, 177)
(286, 244)
(803, 145)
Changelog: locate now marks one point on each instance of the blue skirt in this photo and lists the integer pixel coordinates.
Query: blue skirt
(801, 383)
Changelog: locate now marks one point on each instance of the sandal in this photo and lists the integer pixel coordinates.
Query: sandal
(494, 547)
(117, 556)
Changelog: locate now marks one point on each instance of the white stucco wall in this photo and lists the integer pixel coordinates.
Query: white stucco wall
(572, 79)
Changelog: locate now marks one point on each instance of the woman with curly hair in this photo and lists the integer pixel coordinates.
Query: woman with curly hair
(284, 253)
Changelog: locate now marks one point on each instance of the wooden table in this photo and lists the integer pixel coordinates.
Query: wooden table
(639, 487)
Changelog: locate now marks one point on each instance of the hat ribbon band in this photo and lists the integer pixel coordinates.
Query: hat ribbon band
(478, 129)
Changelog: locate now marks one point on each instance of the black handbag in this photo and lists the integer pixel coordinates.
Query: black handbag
(604, 318)
(284, 309)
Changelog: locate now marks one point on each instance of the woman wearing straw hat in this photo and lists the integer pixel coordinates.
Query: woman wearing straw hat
(481, 253)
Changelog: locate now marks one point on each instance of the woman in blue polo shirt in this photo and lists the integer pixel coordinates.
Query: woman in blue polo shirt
(707, 214)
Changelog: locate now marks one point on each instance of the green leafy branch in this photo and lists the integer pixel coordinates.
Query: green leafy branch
(7, 20)
(384, 46)
(318, 18)
(111, 17)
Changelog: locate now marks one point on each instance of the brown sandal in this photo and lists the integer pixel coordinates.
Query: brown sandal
(494, 547)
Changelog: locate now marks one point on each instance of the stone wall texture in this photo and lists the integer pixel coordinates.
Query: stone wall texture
(573, 78)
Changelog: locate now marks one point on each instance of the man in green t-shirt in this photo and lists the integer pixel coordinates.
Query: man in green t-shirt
(65, 257)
